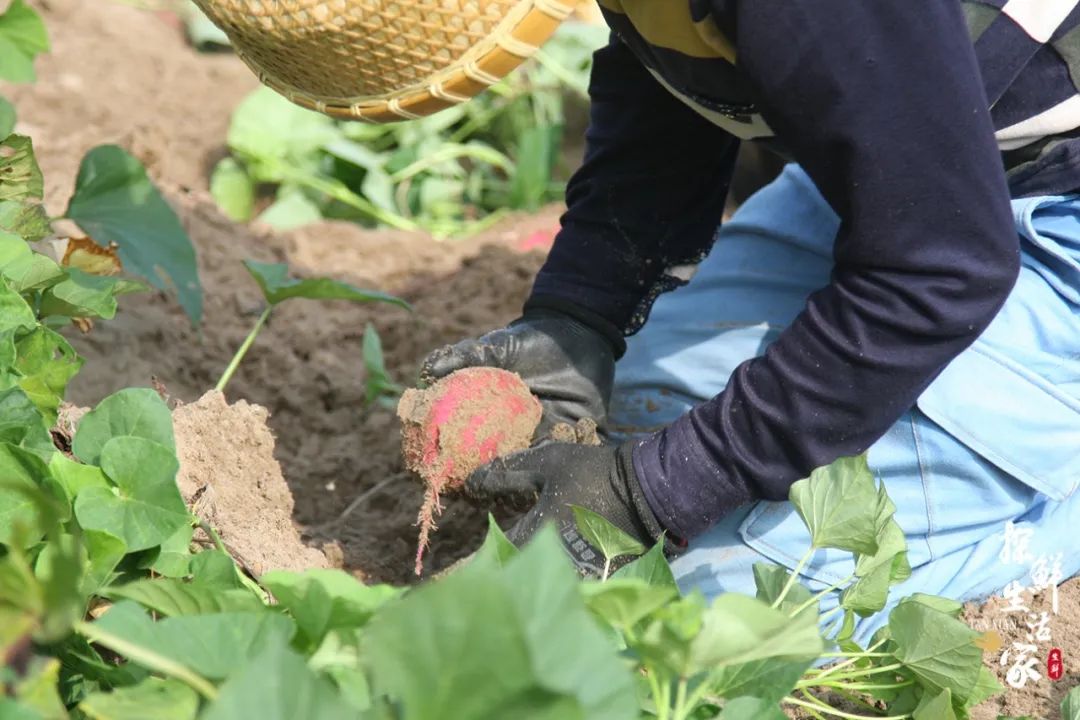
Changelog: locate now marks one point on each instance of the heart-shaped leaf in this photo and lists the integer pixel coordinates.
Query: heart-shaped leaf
(46, 362)
(622, 602)
(292, 209)
(652, 567)
(15, 313)
(605, 537)
(138, 412)
(937, 706)
(770, 679)
(74, 476)
(839, 505)
(939, 649)
(81, 295)
(146, 507)
(739, 629)
(274, 135)
(771, 581)
(986, 687)
(25, 270)
(115, 202)
(497, 548)
(104, 552)
(323, 600)
(29, 222)
(524, 616)
(174, 555)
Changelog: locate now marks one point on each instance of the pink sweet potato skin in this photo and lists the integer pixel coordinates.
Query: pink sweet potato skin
(459, 424)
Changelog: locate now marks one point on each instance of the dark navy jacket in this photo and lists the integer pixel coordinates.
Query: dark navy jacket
(917, 120)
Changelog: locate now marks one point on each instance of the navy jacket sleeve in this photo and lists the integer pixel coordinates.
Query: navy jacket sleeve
(644, 205)
(881, 102)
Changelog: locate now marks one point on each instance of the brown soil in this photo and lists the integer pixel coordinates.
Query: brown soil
(117, 74)
(230, 478)
(306, 366)
(1038, 698)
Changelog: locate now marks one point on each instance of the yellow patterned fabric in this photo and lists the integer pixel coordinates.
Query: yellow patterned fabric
(668, 24)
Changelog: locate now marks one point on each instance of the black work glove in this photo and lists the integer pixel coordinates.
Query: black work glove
(558, 475)
(568, 363)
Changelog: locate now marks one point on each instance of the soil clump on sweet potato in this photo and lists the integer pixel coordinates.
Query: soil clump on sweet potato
(460, 423)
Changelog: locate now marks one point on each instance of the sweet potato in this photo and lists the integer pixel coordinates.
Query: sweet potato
(457, 425)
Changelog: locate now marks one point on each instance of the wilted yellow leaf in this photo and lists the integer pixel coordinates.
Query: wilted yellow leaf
(86, 255)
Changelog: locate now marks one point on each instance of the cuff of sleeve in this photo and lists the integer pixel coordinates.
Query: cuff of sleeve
(687, 491)
(652, 528)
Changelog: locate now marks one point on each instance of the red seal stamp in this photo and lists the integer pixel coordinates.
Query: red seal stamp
(1054, 664)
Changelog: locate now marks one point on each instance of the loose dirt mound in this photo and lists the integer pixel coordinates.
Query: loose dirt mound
(306, 366)
(1038, 698)
(229, 476)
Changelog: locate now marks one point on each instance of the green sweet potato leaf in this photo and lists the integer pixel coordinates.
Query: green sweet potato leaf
(145, 508)
(115, 201)
(838, 503)
(277, 286)
(22, 38)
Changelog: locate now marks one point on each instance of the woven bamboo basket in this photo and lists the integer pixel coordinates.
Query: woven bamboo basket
(384, 60)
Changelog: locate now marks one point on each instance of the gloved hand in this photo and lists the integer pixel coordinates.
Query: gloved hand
(557, 475)
(569, 365)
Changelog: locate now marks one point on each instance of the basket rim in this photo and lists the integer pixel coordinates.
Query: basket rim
(517, 37)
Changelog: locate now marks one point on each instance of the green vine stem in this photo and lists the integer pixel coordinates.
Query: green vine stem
(793, 577)
(248, 341)
(817, 597)
(839, 713)
(829, 671)
(860, 687)
(816, 680)
(856, 655)
(682, 710)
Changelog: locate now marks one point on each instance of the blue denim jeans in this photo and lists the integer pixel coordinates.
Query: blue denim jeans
(995, 438)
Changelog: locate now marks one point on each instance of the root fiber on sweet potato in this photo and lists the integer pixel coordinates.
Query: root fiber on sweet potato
(460, 423)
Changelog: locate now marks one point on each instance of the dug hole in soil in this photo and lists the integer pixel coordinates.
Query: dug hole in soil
(275, 469)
